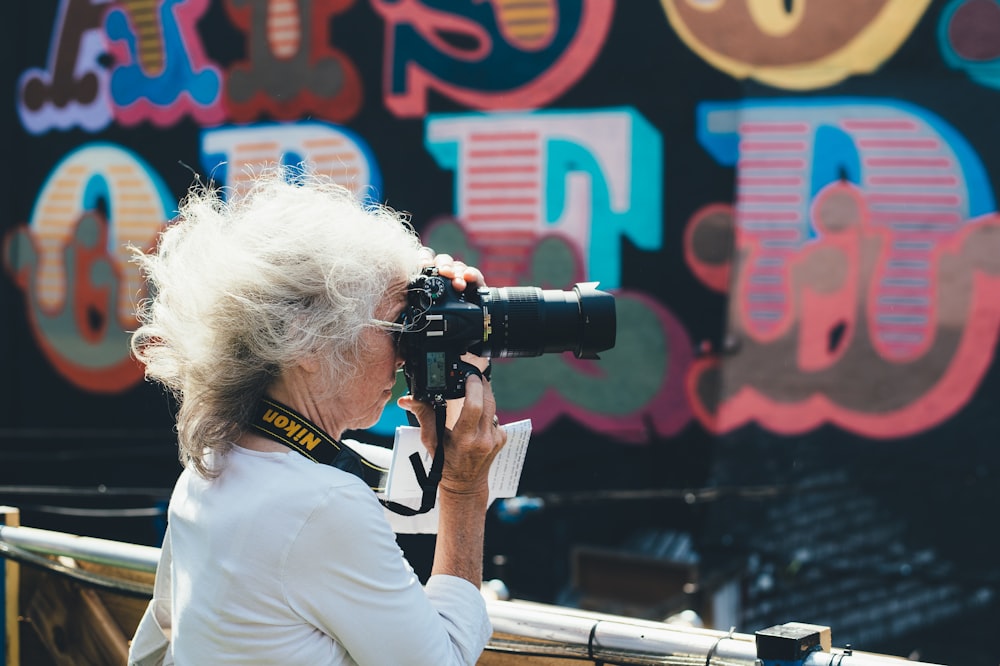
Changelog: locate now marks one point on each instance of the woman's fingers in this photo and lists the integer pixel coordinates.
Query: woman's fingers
(461, 274)
(473, 440)
(426, 256)
(473, 408)
(425, 417)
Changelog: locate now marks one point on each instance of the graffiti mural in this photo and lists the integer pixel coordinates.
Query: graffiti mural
(546, 199)
(793, 201)
(232, 154)
(72, 89)
(854, 221)
(489, 55)
(798, 45)
(159, 71)
(593, 178)
(291, 70)
(71, 260)
(969, 39)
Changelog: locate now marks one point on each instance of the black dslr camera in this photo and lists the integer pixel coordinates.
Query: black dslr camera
(440, 324)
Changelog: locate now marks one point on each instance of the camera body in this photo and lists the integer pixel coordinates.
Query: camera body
(441, 324)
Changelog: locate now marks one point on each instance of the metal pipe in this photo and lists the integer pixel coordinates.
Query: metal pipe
(556, 631)
(113, 584)
(88, 549)
(520, 627)
(850, 658)
(552, 630)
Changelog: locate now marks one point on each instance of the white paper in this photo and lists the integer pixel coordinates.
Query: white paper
(402, 485)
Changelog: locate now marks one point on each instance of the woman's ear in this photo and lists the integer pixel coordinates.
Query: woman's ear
(309, 362)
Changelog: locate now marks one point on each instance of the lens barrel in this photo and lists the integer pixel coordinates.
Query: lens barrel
(528, 321)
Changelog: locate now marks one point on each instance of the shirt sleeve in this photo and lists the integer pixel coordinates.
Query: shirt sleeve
(345, 575)
(151, 643)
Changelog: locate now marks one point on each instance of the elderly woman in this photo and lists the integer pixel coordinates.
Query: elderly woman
(282, 295)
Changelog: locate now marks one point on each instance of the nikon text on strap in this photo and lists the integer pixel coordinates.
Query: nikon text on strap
(284, 425)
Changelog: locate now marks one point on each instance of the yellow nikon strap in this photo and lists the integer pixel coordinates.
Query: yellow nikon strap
(286, 426)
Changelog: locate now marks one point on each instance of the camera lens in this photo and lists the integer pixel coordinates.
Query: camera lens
(528, 321)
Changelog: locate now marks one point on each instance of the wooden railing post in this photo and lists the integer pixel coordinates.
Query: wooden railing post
(10, 582)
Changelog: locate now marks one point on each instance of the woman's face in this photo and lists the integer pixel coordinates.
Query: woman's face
(365, 396)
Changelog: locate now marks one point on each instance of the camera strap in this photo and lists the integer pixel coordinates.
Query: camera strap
(428, 481)
(282, 424)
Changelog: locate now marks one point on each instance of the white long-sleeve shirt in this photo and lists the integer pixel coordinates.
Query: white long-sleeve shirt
(281, 560)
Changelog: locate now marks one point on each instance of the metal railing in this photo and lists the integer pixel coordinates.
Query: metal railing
(520, 628)
(37, 548)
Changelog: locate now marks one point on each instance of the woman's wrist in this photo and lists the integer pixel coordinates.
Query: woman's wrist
(460, 488)
(458, 549)
(464, 492)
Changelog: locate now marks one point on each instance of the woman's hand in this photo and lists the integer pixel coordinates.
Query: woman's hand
(473, 438)
(461, 274)
(470, 444)
(471, 441)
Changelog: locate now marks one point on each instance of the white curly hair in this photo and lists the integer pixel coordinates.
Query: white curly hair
(241, 289)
